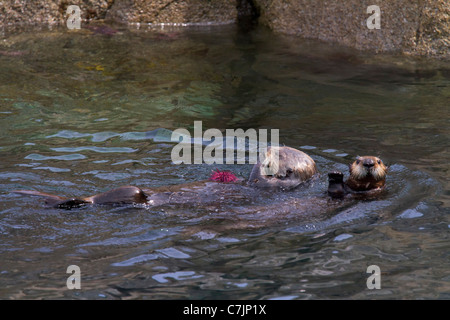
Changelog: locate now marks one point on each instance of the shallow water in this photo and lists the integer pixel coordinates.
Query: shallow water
(76, 114)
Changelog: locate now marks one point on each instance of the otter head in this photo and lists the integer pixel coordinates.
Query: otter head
(282, 167)
(367, 173)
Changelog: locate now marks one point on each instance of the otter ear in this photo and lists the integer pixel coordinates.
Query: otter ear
(385, 164)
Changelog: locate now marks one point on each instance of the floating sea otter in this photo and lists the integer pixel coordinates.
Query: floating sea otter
(366, 174)
(293, 168)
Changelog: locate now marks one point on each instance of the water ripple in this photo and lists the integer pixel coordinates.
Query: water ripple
(95, 149)
(179, 276)
(68, 157)
(136, 260)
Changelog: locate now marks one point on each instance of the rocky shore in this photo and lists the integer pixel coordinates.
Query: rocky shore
(420, 27)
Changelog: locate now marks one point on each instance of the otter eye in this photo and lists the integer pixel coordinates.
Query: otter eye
(379, 161)
(358, 161)
(289, 171)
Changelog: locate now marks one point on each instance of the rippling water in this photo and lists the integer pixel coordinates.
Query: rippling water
(77, 113)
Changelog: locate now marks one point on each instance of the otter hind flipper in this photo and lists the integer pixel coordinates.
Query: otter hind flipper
(54, 201)
(71, 203)
(121, 195)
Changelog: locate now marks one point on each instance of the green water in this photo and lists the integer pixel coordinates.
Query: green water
(75, 112)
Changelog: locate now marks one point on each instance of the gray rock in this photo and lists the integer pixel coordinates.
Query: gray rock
(412, 27)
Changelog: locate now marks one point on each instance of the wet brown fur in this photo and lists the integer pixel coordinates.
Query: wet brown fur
(283, 167)
(363, 178)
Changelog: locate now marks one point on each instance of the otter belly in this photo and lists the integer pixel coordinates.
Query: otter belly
(200, 193)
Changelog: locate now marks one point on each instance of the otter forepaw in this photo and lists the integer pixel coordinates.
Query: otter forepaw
(336, 187)
(336, 176)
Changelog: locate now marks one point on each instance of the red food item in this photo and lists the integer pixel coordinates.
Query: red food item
(223, 176)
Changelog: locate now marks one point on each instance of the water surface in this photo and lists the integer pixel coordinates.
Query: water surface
(76, 109)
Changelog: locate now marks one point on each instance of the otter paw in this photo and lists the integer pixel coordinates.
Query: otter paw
(336, 176)
(336, 187)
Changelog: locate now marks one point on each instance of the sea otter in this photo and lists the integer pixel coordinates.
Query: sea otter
(292, 169)
(283, 168)
(367, 173)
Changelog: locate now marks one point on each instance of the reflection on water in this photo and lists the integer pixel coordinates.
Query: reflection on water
(78, 113)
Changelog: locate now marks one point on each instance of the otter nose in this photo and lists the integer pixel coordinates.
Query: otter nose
(369, 163)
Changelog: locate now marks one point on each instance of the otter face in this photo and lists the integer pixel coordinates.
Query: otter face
(368, 167)
(282, 167)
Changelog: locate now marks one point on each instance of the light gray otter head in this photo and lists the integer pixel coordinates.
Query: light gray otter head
(283, 167)
(367, 173)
